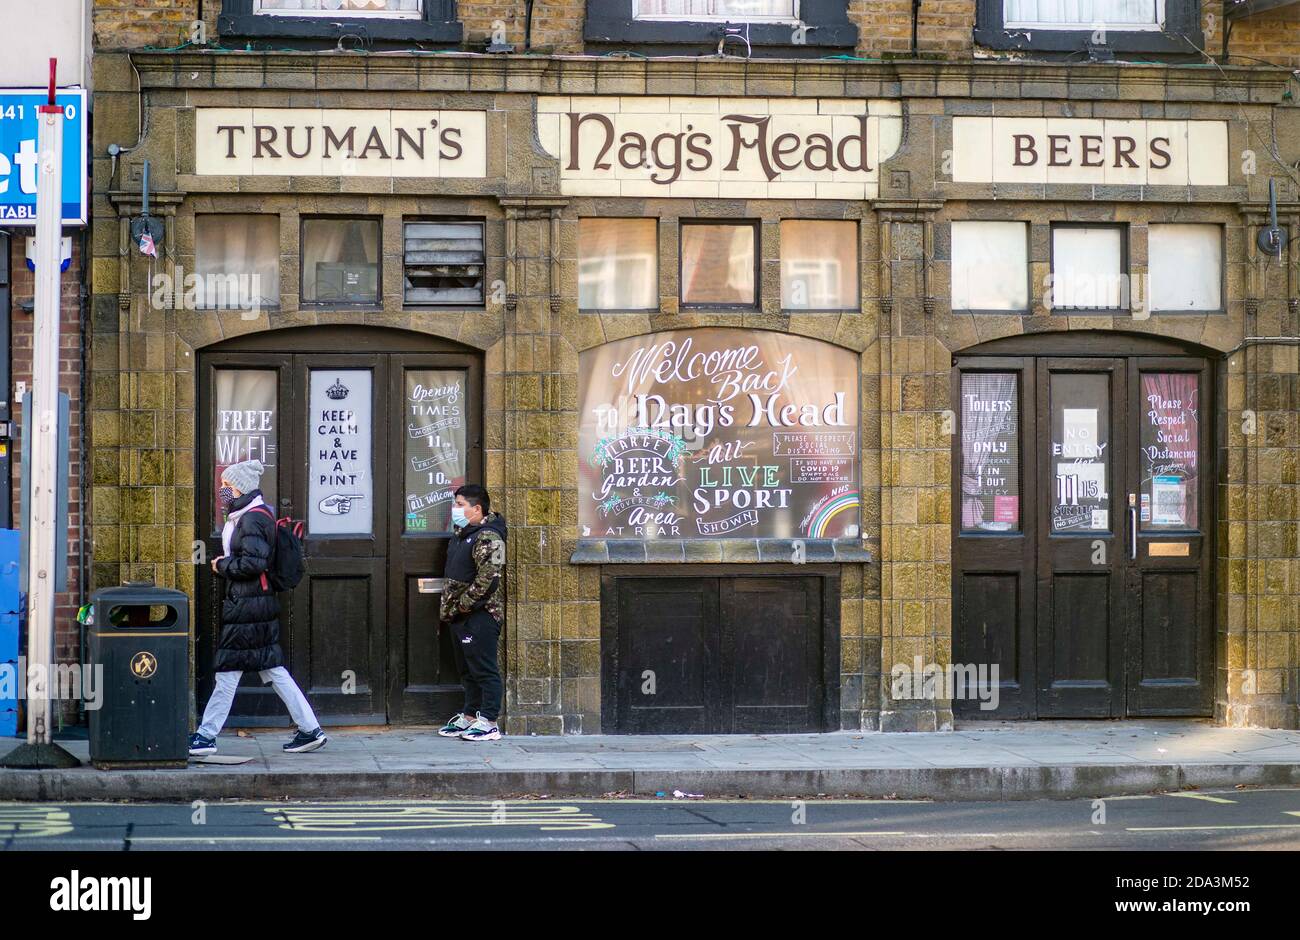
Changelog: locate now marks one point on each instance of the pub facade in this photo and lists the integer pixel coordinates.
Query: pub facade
(808, 381)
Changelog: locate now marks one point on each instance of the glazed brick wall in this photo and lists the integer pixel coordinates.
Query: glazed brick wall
(67, 632)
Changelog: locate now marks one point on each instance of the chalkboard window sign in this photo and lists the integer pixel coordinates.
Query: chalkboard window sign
(247, 427)
(990, 436)
(1170, 444)
(434, 460)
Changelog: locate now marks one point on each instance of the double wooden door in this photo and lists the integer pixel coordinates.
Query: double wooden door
(1082, 510)
(365, 447)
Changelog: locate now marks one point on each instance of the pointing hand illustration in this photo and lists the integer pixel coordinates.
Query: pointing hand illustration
(338, 504)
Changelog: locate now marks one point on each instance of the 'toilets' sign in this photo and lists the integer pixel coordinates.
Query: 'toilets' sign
(19, 132)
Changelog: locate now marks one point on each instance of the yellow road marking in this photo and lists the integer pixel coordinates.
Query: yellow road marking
(34, 822)
(285, 838)
(1201, 796)
(395, 818)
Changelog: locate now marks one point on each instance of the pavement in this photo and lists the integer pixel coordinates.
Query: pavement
(983, 761)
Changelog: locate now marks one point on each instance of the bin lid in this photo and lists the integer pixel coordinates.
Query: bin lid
(136, 594)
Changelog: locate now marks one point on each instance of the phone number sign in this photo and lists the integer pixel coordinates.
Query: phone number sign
(19, 132)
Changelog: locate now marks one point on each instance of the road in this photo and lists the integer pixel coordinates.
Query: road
(1216, 819)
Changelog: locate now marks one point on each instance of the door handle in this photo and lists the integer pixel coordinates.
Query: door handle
(1132, 527)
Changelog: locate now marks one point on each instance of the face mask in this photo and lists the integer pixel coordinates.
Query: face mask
(225, 496)
(458, 517)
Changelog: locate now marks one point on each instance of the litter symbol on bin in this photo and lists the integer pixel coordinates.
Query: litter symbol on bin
(144, 665)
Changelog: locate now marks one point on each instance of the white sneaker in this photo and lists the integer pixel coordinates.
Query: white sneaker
(481, 730)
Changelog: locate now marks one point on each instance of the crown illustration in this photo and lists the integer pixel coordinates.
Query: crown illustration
(338, 391)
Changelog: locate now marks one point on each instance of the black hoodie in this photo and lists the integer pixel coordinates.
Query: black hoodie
(475, 569)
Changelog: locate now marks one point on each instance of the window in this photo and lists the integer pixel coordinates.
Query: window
(325, 23)
(340, 261)
(408, 8)
(1089, 268)
(237, 260)
(734, 11)
(990, 266)
(1170, 445)
(1185, 267)
(990, 452)
(781, 28)
(246, 427)
(1082, 14)
(444, 262)
(618, 264)
(718, 264)
(1167, 28)
(819, 265)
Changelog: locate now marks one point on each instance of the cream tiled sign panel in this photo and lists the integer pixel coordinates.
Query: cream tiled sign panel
(1089, 150)
(748, 148)
(339, 142)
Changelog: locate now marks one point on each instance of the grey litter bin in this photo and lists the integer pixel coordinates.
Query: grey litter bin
(140, 635)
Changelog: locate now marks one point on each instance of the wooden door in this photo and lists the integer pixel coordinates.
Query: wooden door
(1082, 417)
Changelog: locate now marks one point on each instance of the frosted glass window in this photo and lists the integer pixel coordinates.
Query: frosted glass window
(819, 265)
(237, 260)
(718, 264)
(618, 264)
(1185, 267)
(1083, 14)
(738, 10)
(350, 7)
(1088, 268)
(990, 266)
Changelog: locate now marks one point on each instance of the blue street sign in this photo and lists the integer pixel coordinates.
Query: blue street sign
(18, 157)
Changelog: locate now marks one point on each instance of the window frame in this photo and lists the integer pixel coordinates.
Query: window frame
(658, 294)
(1178, 37)
(1125, 271)
(712, 17)
(418, 307)
(857, 267)
(755, 227)
(1223, 274)
(437, 24)
(378, 302)
(1027, 228)
(613, 24)
(278, 257)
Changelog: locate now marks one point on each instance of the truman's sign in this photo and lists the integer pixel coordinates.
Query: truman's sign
(338, 142)
(1089, 150)
(750, 148)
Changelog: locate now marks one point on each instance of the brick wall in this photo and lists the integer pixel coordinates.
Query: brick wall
(67, 635)
(884, 27)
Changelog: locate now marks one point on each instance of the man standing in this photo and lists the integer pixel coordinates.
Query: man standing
(473, 605)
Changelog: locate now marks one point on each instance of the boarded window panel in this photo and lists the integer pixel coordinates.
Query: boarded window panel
(618, 264)
(444, 263)
(1088, 267)
(990, 266)
(819, 265)
(1083, 14)
(718, 264)
(1185, 267)
(237, 259)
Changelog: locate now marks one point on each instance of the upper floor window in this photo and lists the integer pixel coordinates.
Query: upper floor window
(310, 24)
(1103, 30)
(1083, 14)
(734, 11)
(407, 8)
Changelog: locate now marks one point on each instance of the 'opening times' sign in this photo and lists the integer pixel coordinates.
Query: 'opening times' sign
(19, 135)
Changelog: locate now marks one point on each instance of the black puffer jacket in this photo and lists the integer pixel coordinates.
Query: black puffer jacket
(250, 614)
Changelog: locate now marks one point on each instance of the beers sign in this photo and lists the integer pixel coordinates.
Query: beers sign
(337, 142)
(700, 147)
(718, 433)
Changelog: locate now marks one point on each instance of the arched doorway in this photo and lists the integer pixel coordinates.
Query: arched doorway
(364, 432)
(1083, 524)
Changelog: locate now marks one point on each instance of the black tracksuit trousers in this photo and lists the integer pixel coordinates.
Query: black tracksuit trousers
(475, 643)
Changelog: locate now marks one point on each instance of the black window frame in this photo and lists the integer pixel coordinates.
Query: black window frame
(438, 24)
(378, 302)
(756, 227)
(1181, 36)
(429, 306)
(611, 24)
(1125, 269)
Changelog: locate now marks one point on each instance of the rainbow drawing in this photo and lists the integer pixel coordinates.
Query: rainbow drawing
(822, 515)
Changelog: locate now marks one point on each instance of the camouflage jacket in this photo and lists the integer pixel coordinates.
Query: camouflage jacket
(485, 591)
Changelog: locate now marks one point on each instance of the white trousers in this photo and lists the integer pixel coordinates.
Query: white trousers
(223, 696)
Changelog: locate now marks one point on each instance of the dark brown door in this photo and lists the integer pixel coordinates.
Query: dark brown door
(1082, 557)
(365, 448)
(718, 655)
